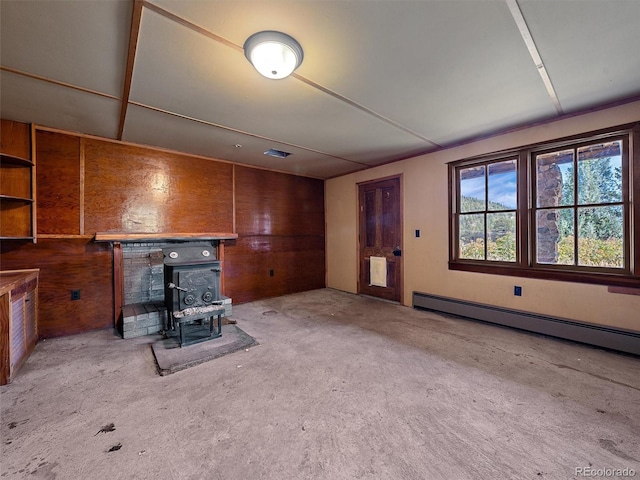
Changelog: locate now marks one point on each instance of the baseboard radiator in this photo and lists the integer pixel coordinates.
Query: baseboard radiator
(613, 338)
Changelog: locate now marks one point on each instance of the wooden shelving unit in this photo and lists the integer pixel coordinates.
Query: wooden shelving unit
(17, 182)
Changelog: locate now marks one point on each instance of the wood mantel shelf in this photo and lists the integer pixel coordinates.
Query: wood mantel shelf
(158, 237)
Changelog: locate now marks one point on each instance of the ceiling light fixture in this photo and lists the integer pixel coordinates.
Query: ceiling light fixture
(274, 54)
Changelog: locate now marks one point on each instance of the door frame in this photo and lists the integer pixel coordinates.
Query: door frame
(400, 178)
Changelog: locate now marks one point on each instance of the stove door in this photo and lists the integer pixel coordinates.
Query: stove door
(202, 287)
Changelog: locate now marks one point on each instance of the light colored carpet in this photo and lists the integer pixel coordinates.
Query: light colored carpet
(340, 387)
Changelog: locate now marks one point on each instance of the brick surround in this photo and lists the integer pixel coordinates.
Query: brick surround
(144, 312)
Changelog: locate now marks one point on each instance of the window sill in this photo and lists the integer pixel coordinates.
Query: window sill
(548, 274)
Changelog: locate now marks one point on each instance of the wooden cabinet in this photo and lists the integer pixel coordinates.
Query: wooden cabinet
(18, 320)
(17, 182)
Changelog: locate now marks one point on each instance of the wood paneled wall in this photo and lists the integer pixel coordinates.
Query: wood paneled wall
(88, 185)
(14, 138)
(65, 265)
(280, 226)
(134, 189)
(58, 183)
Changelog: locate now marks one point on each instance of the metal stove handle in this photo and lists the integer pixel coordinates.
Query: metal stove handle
(174, 286)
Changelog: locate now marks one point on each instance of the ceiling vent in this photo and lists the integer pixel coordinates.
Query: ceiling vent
(272, 152)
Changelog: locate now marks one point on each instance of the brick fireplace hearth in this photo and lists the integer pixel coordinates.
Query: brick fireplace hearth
(141, 268)
(144, 311)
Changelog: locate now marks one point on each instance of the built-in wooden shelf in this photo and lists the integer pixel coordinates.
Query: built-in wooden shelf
(159, 237)
(16, 238)
(16, 199)
(62, 235)
(17, 181)
(9, 160)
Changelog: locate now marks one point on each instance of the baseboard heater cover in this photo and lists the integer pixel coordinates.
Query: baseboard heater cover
(622, 340)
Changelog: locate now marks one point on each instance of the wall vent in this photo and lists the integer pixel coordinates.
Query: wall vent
(272, 152)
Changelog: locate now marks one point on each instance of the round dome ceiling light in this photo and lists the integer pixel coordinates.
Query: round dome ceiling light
(274, 55)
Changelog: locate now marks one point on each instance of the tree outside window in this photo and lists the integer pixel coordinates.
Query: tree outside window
(581, 226)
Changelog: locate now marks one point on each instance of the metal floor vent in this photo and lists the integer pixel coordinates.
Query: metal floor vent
(272, 152)
(613, 338)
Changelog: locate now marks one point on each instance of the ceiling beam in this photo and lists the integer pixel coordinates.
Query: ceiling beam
(196, 28)
(57, 82)
(516, 13)
(134, 34)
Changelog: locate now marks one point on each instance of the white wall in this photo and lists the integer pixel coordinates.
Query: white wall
(425, 200)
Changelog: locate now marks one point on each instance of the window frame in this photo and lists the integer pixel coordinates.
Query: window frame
(576, 205)
(486, 211)
(526, 258)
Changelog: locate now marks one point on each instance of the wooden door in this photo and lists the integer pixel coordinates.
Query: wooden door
(380, 236)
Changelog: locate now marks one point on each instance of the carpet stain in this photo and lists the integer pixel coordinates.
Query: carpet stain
(107, 428)
(596, 376)
(610, 446)
(13, 425)
(45, 471)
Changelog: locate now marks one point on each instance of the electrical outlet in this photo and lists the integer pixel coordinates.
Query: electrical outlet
(517, 291)
(271, 273)
(75, 294)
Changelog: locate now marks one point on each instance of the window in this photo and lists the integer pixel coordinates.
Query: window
(580, 208)
(559, 210)
(488, 209)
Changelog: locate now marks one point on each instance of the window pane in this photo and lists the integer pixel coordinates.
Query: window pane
(501, 236)
(600, 237)
(600, 173)
(502, 186)
(555, 239)
(471, 240)
(472, 189)
(554, 185)
(566, 242)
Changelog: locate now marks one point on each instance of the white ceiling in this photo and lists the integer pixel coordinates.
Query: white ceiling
(381, 79)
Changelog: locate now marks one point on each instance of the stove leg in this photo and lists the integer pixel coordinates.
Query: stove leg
(219, 328)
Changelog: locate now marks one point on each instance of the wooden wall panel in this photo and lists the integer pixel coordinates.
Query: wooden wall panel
(298, 264)
(280, 223)
(15, 220)
(65, 265)
(15, 180)
(15, 139)
(272, 203)
(58, 183)
(139, 190)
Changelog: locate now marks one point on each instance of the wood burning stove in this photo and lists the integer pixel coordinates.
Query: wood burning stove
(192, 293)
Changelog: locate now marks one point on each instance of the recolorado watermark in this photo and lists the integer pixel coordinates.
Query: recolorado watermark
(604, 472)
